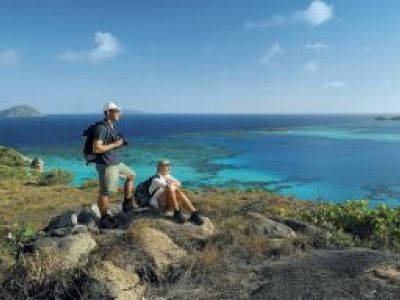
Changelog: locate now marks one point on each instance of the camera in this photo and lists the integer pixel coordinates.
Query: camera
(126, 142)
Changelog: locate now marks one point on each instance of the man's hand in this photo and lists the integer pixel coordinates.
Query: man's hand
(118, 143)
(99, 147)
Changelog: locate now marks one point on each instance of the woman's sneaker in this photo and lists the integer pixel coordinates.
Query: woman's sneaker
(107, 222)
(178, 217)
(196, 218)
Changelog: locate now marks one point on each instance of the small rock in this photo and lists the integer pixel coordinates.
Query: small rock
(266, 226)
(106, 281)
(72, 248)
(163, 252)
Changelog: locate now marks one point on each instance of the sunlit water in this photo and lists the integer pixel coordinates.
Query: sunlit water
(321, 158)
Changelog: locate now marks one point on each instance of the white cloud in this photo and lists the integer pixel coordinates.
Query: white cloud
(317, 46)
(334, 84)
(106, 47)
(274, 50)
(9, 57)
(311, 66)
(317, 13)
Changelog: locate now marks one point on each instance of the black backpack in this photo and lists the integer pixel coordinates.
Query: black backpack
(88, 134)
(142, 193)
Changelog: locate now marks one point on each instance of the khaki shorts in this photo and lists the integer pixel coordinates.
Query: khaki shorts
(109, 177)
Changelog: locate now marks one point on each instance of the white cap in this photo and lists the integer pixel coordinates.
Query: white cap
(111, 106)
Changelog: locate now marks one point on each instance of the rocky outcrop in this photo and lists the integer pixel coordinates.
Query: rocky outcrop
(106, 264)
(328, 274)
(151, 256)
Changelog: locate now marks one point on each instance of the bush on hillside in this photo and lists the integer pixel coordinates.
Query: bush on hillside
(55, 177)
(7, 172)
(11, 158)
(376, 228)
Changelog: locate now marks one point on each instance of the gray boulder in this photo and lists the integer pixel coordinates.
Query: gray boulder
(106, 281)
(73, 248)
(263, 225)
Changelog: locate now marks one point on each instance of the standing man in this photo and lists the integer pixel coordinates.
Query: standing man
(107, 141)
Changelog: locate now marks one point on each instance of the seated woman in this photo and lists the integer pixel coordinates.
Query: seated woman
(167, 195)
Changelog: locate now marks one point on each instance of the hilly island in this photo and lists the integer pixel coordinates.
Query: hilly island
(20, 111)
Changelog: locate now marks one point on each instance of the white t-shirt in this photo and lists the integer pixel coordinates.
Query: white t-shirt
(158, 185)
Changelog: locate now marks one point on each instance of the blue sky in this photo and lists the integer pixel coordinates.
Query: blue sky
(201, 56)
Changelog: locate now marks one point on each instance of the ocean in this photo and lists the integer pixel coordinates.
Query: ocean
(315, 157)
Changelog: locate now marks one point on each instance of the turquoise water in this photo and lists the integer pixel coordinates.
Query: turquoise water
(320, 158)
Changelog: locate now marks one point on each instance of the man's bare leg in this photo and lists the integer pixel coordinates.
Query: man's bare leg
(128, 187)
(102, 203)
(127, 205)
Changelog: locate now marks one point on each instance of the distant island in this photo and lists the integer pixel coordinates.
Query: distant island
(132, 112)
(387, 118)
(19, 111)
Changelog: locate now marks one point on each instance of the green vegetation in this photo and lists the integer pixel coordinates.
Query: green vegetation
(355, 224)
(55, 177)
(12, 164)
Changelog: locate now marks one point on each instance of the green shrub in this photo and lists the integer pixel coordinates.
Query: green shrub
(11, 158)
(379, 228)
(55, 177)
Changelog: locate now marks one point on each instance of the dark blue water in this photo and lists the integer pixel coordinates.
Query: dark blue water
(316, 157)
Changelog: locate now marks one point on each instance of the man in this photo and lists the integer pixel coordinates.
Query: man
(106, 143)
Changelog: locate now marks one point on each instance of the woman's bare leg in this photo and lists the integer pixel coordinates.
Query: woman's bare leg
(184, 201)
(172, 202)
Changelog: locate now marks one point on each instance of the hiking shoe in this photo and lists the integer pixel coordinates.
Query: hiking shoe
(196, 218)
(107, 222)
(178, 217)
(127, 206)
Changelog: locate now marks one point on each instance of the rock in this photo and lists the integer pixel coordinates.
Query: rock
(64, 220)
(106, 281)
(265, 226)
(72, 248)
(318, 237)
(166, 257)
(327, 274)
